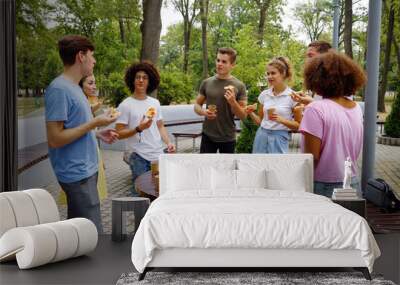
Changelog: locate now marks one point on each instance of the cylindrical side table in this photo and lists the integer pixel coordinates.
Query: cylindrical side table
(137, 205)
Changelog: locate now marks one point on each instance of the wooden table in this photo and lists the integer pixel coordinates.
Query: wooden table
(355, 205)
(145, 185)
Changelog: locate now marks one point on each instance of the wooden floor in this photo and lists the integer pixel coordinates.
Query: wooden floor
(382, 222)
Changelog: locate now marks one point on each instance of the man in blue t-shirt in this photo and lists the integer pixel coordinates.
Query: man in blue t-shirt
(70, 130)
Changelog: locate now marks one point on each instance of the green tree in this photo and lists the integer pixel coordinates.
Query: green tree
(392, 124)
(78, 16)
(33, 44)
(315, 16)
(113, 88)
(175, 86)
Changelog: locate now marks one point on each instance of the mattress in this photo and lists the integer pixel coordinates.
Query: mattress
(250, 219)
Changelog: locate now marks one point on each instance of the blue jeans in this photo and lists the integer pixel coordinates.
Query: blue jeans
(326, 188)
(83, 200)
(271, 141)
(138, 166)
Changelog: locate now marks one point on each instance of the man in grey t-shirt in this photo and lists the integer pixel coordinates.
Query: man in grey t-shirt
(225, 97)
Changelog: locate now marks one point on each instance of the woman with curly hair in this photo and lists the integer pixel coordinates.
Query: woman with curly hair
(141, 121)
(332, 128)
(277, 113)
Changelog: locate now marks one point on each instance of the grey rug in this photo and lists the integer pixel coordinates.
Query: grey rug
(273, 278)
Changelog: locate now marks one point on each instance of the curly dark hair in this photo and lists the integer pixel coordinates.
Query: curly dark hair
(147, 67)
(333, 74)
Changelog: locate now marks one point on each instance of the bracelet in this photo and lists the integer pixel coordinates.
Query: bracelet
(138, 130)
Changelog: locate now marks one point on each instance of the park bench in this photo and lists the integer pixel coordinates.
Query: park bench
(381, 124)
(188, 134)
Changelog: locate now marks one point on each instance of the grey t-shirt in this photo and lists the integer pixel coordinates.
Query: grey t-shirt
(222, 129)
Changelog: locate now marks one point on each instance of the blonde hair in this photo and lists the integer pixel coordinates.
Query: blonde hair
(283, 65)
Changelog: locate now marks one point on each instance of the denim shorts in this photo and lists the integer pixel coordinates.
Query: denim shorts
(326, 188)
(138, 166)
(271, 141)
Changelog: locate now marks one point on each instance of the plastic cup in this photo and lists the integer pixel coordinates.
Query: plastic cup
(93, 99)
(157, 183)
(271, 111)
(154, 168)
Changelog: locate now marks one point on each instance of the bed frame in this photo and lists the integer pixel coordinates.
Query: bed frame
(242, 258)
(256, 258)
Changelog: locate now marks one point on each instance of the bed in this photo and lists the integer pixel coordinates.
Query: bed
(247, 211)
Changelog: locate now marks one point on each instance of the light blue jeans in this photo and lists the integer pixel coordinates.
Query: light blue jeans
(271, 141)
(138, 166)
(326, 188)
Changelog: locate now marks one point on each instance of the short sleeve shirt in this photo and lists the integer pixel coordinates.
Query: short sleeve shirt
(340, 130)
(148, 144)
(223, 128)
(65, 101)
(283, 104)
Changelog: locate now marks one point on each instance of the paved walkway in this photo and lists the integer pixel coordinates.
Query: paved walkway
(119, 177)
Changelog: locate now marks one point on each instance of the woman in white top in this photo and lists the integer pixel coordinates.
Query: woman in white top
(141, 120)
(277, 113)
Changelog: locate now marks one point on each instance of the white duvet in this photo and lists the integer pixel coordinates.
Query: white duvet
(251, 218)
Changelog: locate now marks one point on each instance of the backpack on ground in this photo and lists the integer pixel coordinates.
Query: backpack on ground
(379, 193)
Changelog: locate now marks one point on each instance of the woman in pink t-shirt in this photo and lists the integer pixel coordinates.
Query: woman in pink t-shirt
(332, 128)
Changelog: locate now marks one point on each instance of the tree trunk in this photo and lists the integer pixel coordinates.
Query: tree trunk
(397, 50)
(261, 25)
(389, 39)
(263, 8)
(348, 24)
(121, 29)
(188, 12)
(186, 40)
(151, 30)
(204, 15)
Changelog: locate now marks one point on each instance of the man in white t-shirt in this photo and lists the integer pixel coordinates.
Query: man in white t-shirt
(141, 121)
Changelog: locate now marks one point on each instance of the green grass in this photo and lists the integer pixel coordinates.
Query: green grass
(26, 105)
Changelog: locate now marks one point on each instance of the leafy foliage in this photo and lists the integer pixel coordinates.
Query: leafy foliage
(249, 129)
(114, 27)
(314, 15)
(113, 88)
(175, 86)
(392, 124)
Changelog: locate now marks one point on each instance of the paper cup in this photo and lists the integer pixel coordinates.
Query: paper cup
(212, 108)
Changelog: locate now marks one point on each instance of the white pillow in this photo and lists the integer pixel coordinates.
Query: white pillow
(251, 178)
(223, 179)
(183, 177)
(284, 172)
(291, 179)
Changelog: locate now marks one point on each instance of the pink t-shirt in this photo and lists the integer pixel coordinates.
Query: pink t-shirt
(341, 132)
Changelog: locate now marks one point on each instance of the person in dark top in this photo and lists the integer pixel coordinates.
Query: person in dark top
(225, 97)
